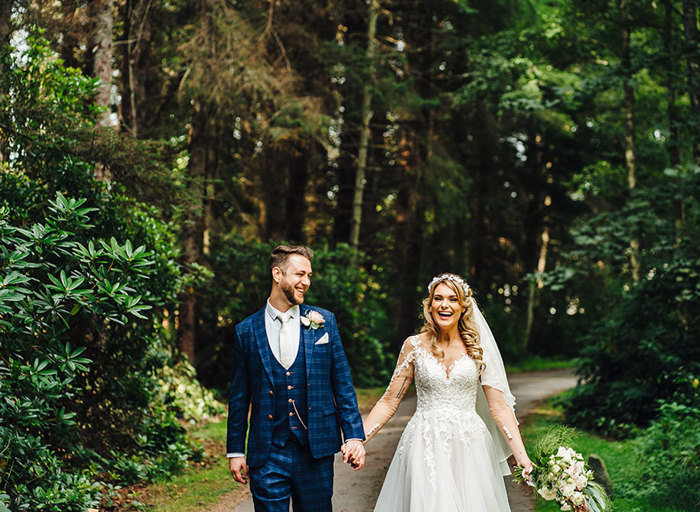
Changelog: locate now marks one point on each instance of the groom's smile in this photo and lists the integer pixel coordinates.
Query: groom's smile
(296, 279)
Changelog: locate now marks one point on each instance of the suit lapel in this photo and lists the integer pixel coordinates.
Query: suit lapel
(307, 337)
(262, 342)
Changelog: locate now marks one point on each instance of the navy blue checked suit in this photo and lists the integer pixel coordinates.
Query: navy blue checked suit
(303, 466)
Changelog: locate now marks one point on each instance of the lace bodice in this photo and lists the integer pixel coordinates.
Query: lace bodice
(452, 388)
(448, 392)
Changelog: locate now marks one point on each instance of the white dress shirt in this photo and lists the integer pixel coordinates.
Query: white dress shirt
(273, 324)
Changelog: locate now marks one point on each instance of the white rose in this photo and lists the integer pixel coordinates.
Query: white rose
(315, 317)
(577, 499)
(547, 494)
(568, 489)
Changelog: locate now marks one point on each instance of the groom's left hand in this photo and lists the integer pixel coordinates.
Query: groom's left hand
(354, 453)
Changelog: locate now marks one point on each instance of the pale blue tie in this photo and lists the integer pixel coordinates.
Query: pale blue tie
(288, 349)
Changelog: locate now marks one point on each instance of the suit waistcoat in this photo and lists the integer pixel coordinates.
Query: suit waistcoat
(290, 399)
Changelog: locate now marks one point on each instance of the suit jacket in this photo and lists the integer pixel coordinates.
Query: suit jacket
(331, 400)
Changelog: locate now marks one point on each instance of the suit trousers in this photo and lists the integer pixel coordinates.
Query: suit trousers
(291, 472)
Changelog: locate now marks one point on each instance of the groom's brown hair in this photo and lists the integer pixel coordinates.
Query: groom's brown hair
(280, 255)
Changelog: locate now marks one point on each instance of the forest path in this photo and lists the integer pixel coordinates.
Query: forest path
(356, 491)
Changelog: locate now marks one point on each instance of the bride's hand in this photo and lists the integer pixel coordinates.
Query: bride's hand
(526, 464)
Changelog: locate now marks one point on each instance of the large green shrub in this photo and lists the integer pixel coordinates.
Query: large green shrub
(88, 399)
(60, 289)
(643, 350)
(670, 450)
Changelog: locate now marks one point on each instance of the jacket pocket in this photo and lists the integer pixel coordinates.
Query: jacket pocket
(327, 410)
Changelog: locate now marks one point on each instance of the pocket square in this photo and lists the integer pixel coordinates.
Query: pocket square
(322, 340)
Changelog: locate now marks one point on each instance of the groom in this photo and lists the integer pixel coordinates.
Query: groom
(289, 365)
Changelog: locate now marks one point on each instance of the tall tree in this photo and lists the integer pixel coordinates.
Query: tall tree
(690, 28)
(628, 101)
(360, 177)
(101, 14)
(6, 30)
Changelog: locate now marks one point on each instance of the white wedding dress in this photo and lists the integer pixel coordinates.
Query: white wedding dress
(447, 459)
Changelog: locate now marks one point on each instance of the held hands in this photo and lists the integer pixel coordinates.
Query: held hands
(354, 453)
(239, 469)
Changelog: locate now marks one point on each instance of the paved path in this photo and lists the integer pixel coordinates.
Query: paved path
(356, 491)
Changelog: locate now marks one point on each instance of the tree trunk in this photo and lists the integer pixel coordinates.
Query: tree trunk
(409, 236)
(101, 14)
(673, 145)
(360, 179)
(138, 30)
(629, 126)
(295, 192)
(532, 289)
(198, 143)
(690, 28)
(6, 30)
(412, 157)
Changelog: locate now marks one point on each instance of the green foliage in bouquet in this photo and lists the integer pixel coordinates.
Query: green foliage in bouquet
(561, 474)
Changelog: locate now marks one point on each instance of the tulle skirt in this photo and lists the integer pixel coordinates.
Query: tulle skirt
(444, 462)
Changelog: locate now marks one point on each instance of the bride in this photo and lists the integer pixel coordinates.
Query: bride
(452, 454)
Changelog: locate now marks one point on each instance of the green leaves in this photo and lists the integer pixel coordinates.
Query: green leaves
(60, 291)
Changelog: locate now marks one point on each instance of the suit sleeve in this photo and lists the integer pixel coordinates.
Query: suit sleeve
(343, 389)
(239, 400)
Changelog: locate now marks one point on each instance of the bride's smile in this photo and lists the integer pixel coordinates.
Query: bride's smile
(445, 308)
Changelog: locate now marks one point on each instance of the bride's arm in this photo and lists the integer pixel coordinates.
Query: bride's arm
(505, 420)
(385, 408)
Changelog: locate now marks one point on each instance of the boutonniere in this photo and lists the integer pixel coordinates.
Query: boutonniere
(312, 320)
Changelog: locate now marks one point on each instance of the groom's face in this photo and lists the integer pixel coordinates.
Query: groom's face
(296, 278)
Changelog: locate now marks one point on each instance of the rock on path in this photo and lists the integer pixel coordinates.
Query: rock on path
(356, 491)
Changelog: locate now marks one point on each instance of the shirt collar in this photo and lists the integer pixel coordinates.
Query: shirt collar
(275, 313)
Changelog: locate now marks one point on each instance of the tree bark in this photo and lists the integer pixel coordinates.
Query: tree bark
(628, 101)
(192, 239)
(6, 30)
(138, 32)
(534, 285)
(101, 14)
(690, 29)
(360, 179)
(673, 146)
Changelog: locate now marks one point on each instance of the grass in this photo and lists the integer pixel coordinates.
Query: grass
(623, 465)
(199, 487)
(367, 397)
(537, 363)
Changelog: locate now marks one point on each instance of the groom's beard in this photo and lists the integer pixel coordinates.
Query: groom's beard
(289, 292)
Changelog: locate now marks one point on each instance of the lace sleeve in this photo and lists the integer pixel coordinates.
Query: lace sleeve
(400, 381)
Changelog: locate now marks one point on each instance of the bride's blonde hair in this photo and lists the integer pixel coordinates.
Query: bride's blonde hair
(466, 326)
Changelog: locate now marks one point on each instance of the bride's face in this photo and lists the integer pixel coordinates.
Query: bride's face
(445, 307)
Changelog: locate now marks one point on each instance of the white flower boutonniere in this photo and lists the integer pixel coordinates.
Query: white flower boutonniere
(312, 320)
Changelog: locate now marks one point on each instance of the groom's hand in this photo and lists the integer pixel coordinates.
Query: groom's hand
(354, 453)
(239, 469)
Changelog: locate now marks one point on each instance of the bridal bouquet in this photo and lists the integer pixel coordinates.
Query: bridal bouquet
(561, 474)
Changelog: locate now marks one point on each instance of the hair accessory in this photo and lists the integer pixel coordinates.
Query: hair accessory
(449, 277)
